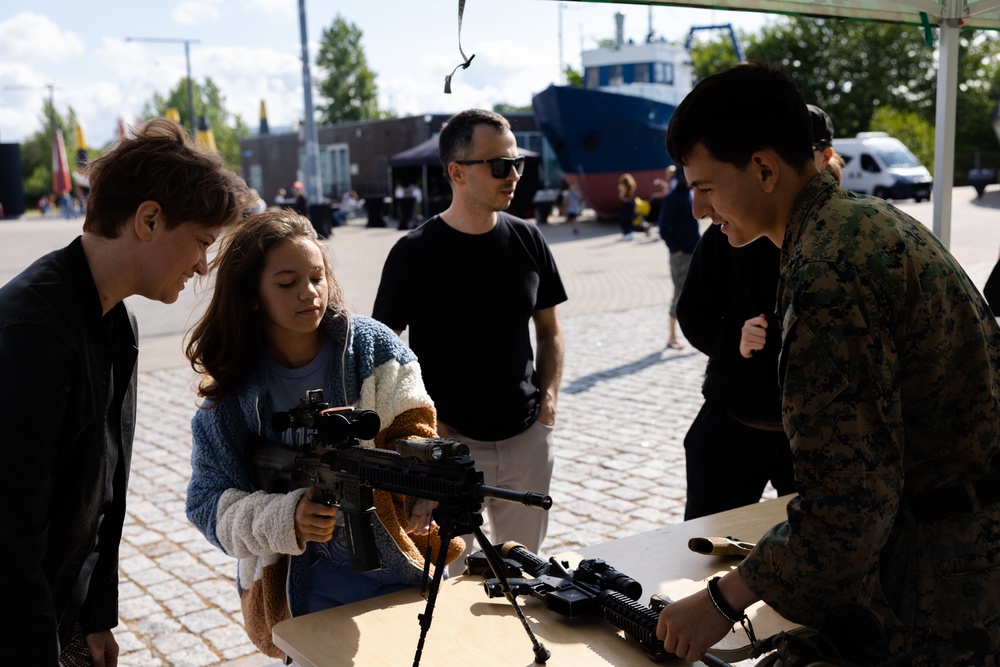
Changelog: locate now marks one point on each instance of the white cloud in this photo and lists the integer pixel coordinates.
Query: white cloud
(246, 76)
(278, 7)
(34, 38)
(195, 13)
(501, 72)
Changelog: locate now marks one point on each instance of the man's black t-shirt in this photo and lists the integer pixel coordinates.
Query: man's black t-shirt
(467, 300)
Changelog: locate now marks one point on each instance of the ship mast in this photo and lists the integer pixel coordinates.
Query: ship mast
(562, 68)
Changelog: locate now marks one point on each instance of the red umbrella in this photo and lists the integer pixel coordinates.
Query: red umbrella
(60, 166)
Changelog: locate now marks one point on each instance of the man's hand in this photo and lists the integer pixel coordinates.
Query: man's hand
(103, 648)
(753, 336)
(314, 522)
(691, 626)
(547, 413)
(421, 520)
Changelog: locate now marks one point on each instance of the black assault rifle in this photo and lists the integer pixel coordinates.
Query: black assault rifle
(593, 588)
(344, 473)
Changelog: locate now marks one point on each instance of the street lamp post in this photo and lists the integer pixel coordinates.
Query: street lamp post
(187, 57)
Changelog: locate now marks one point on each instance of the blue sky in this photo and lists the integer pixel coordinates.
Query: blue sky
(251, 49)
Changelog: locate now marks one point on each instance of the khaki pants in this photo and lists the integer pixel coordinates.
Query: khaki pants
(522, 463)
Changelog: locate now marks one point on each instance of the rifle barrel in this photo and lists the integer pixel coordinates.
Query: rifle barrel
(524, 497)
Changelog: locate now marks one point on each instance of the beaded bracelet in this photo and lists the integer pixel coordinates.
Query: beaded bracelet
(720, 603)
(727, 612)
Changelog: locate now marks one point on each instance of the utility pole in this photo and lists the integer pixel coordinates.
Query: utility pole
(187, 57)
(52, 103)
(313, 191)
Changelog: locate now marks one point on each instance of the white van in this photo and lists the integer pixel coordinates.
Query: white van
(877, 164)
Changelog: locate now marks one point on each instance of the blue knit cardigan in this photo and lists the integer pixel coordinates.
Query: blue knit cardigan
(374, 370)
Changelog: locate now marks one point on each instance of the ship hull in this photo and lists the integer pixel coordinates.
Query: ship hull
(599, 136)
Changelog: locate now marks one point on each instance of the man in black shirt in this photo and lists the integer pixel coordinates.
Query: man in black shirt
(467, 283)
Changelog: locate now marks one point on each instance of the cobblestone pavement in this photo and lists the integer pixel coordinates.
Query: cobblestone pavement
(624, 408)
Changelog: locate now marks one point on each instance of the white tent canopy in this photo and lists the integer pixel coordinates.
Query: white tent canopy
(949, 16)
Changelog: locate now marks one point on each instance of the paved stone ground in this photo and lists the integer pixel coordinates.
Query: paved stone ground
(623, 413)
(624, 407)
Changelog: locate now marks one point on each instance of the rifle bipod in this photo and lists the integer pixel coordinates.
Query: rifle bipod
(448, 528)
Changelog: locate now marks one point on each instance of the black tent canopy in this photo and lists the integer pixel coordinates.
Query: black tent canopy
(423, 159)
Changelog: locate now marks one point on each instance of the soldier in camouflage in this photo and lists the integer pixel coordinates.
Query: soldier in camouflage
(890, 393)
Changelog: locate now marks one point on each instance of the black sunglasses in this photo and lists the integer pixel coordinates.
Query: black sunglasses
(499, 166)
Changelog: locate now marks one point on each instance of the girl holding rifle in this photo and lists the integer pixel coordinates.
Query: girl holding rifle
(275, 328)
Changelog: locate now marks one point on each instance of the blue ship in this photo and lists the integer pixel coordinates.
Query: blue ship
(617, 122)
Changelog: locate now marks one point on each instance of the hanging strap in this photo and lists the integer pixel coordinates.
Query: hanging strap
(467, 60)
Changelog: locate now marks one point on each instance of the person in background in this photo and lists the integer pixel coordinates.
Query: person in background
(666, 184)
(259, 205)
(397, 200)
(68, 351)
(466, 284)
(418, 198)
(573, 205)
(890, 387)
(626, 199)
(281, 198)
(736, 444)
(275, 282)
(299, 202)
(345, 209)
(662, 186)
(679, 230)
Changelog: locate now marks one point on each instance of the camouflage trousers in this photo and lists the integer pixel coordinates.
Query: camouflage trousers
(941, 581)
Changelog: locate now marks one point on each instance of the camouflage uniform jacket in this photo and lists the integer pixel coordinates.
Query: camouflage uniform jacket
(889, 388)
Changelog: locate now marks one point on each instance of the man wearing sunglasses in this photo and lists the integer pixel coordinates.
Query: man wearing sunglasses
(467, 283)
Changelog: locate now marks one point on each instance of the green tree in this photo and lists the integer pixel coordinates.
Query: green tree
(228, 129)
(502, 108)
(574, 78)
(875, 76)
(345, 83)
(910, 128)
(713, 56)
(851, 68)
(36, 152)
(979, 88)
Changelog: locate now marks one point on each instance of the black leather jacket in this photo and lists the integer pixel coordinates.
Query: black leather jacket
(67, 417)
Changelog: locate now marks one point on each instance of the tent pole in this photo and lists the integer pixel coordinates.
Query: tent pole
(944, 128)
(424, 204)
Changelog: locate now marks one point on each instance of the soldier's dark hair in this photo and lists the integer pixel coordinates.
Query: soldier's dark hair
(161, 164)
(455, 139)
(750, 107)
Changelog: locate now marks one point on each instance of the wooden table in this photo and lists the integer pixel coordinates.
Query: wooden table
(468, 628)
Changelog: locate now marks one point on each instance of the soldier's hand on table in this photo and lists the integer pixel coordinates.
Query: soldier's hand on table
(690, 626)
